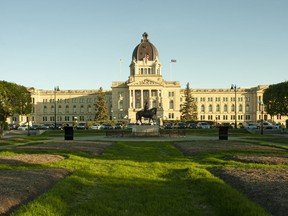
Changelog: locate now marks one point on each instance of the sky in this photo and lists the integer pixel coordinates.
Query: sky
(78, 44)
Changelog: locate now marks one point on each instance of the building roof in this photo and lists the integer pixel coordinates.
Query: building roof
(145, 49)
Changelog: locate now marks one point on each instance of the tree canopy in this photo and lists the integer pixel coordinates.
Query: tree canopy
(189, 107)
(13, 99)
(276, 99)
(101, 110)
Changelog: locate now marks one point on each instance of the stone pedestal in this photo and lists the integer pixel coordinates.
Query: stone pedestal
(145, 130)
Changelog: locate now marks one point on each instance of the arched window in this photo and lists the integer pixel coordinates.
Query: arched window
(59, 109)
(210, 107)
(89, 109)
(217, 108)
(225, 108)
(240, 108)
(171, 104)
(67, 109)
(74, 109)
(120, 104)
(232, 108)
(45, 109)
(202, 108)
(247, 108)
(52, 109)
(82, 109)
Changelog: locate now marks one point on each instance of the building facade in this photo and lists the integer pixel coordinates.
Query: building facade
(146, 84)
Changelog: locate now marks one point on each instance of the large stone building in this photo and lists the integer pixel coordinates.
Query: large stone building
(146, 84)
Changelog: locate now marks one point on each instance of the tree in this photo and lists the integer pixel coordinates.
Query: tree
(101, 107)
(189, 107)
(13, 99)
(276, 99)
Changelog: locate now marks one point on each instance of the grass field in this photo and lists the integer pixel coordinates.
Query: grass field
(138, 178)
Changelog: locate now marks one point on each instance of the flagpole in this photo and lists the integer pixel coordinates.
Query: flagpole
(170, 71)
(120, 68)
(172, 61)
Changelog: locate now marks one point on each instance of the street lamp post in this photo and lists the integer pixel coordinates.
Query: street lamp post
(55, 104)
(261, 104)
(234, 87)
(28, 126)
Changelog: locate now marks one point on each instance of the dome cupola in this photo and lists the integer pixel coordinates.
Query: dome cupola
(145, 50)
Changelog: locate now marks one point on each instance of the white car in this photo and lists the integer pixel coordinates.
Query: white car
(250, 126)
(95, 127)
(203, 125)
(23, 127)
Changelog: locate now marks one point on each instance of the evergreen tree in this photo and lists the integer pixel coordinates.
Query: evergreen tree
(189, 107)
(101, 107)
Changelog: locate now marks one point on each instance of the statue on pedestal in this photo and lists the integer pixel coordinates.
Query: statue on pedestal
(146, 113)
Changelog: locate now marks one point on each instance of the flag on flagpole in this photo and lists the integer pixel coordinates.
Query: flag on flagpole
(173, 60)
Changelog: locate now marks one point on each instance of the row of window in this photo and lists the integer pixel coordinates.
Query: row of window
(66, 118)
(67, 109)
(225, 108)
(218, 99)
(225, 117)
(72, 100)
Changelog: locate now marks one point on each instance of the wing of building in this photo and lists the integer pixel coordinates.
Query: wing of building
(146, 84)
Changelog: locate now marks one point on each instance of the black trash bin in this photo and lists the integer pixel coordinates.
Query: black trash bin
(223, 133)
(69, 133)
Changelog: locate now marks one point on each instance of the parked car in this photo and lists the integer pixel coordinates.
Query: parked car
(227, 124)
(23, 127)
(81, 126)
(168, 126)
(95, 127)
(192, 125)
(12, 127)
(203, 125)
(118, 126)
(267, 125)
(130, 125)
(46, 126)
(107, 126)
(35, 127)
(250, 126)
(181, 125)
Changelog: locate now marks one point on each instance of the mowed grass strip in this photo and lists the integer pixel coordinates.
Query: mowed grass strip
(139, 178)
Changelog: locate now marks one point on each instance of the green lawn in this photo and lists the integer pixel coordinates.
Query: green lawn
(138, 178)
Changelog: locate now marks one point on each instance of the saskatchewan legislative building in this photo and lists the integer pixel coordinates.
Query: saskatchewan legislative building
(146, 84)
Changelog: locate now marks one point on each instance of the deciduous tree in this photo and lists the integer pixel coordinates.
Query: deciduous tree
(13, 99)
(276, 99)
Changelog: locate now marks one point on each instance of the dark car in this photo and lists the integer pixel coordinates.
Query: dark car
(35, 127)
(181, 125)
(168, 126)
(118, 126)
(107, 126)
(192, 126)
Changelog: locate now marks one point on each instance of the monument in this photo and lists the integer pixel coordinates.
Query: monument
(146, 130)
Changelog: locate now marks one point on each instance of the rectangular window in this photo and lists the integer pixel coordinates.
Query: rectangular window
(154, 93)
(247, 117)
(171, 115)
